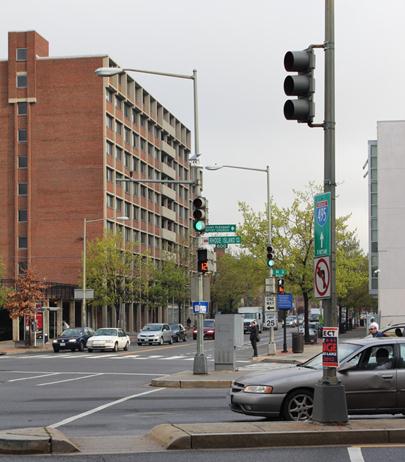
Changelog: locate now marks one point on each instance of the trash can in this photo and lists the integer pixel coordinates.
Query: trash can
(297, 342)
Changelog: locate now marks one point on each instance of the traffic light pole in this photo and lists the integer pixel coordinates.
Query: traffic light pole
(329, 397)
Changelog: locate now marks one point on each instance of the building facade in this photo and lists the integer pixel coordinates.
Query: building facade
(67, 137)
(387, 220)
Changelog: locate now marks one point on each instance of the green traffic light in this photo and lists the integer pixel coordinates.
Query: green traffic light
(199, 226)
(270, 263)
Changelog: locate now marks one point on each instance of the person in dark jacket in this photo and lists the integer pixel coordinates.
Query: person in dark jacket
(254, 337)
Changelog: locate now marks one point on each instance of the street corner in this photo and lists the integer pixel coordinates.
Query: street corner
(35, 440)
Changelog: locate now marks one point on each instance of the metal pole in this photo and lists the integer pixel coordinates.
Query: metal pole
(285, 350)
(83, 321)
(329, 399)
(200, 365)
(271, 347)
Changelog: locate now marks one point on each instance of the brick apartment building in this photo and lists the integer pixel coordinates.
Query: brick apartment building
(66, 136)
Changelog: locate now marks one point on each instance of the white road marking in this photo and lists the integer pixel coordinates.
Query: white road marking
(69, 380)
(102, 356)
(157, 374)
(355, 454)
(34, 377)
(100, 408)
(169, 358)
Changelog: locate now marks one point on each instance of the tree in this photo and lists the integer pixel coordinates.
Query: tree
(22, 301)
(238, 277)
(292, 239)
(114, 273)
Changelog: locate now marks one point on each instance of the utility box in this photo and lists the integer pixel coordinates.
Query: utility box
(228, 336)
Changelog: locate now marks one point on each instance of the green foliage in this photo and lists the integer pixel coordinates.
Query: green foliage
(170, 284)
(238, 277)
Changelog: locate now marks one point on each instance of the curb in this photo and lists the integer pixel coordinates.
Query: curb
(35, 440)
(168, 382)
(287, 434)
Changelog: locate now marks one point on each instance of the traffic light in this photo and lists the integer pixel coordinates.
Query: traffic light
(270, 256)
(301, 85)
(202, 260)
(199, 214)
(280, 286)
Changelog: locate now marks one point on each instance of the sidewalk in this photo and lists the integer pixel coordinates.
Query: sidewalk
(9, 347)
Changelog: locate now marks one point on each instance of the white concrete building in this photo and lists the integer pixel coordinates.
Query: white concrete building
(387, 220)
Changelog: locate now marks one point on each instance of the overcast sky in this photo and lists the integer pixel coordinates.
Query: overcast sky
(238, 49)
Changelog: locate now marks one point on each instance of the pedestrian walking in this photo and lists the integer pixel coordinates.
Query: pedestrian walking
(254, 337)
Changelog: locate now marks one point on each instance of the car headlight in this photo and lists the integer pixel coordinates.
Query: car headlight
(72, 340)
(258, 389)
(55, 341)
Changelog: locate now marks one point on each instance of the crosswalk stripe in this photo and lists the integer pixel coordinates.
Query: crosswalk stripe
(169, 358)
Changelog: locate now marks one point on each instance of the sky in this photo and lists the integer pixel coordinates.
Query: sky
(238, 48)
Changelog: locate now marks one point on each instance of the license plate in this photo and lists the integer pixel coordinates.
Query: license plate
(62, 343)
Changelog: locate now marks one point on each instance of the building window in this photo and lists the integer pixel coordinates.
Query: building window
(135, 140)
(109, 148)
(128, 234)
(22, 267)
(22, 135)
(22, 242)
(22, 189)
(118, 153)
(110, 226)
(118, 103)
(22, 80)
(118, 128)
(128, 158)
(22, 161)
(127, 135)
(127, 110)
(21, 54)
(109, 122)
(110, 174)
(22, 108)
(108, 95)
(119, 205)
(22, 215)
(128, 208)
(110, 201)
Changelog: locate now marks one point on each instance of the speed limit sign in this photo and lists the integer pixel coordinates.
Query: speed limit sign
(271, 319)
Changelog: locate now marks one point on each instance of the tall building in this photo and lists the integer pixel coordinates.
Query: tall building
(67, 136)
(387, 220)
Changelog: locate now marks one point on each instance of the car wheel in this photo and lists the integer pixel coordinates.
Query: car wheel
(115, 349)
(56, 349)
(140, 343)
(81, 346)
(126, 347)
(298, 405)
(161, 341)
(72, 349)
(89, 350)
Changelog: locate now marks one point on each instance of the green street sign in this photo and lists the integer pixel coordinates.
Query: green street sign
(221, 246)
(220, 228)
(322, 224)
(279, 273)
(224, 240)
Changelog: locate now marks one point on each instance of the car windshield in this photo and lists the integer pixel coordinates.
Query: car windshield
(174, 326)
(154, 327)
(106, 332)
(209, 323)
(344, 350)
(249, 315)
(72, 333)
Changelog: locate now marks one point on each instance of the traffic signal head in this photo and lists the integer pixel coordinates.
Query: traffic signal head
(270, 256)
(280, 286)
(202, 260)
(302, 85)
(199, 214)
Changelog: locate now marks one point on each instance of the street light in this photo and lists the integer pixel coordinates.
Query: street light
(271, 348)
(200, 361)
(85, 221)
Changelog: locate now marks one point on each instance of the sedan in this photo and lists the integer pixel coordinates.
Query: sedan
(155, 333)
(371, 370)
(209, 329)
(72, 339)
(109, 338)
(178, 332)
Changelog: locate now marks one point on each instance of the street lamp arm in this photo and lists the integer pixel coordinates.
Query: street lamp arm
(110, 71)
(218, 167)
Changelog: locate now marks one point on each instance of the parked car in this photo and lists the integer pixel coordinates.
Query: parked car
(209, 329)
(178, 332)
(155, 333)
(374, 383)
(72, 339)
(312, 329)
(291, 321)
(109, 338)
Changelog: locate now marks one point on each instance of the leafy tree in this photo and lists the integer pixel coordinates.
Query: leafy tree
(238, 277)
(22, 301)
(292, 239)
(114, 273)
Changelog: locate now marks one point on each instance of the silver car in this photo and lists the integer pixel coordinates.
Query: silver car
(371, 369)
(155, 333)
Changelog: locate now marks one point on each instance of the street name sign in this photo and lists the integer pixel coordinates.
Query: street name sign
(220, 229)
(322, 224)
(279, 273)
(224, 240)
(221, 246)
(322, 277)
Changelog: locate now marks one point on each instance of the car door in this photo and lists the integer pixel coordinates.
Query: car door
(167, 333)
(368, 386)
(122, 338)
(401, 376)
